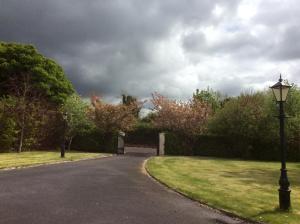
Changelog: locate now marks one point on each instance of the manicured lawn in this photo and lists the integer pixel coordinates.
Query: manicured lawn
(9, 160)
(246, 188)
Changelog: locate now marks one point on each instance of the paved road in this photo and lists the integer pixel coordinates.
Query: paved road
(110, 190)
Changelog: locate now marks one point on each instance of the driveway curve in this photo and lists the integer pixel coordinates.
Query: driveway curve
(108, 190)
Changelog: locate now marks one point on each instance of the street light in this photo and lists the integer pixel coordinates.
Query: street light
(280, 91)
(63, 143)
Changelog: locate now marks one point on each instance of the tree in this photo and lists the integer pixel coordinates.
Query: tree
(133, 102)
(22, 121)
(292, 108)
(113, 118)
(78, 121)
(8, 129)
(209, 96)
(35, 82)
(25, 72)
(149, 118)
(244, 116)
(253, 116)
(187, 118)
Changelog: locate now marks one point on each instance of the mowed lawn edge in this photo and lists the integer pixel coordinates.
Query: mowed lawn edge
(245, 189)
(38, 158)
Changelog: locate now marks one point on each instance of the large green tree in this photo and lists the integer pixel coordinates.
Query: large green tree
(34, 82)
(24, 72)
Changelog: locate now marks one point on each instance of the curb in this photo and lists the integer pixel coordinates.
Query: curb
(200, 203)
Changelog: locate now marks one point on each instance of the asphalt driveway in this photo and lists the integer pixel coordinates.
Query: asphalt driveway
(109, 190)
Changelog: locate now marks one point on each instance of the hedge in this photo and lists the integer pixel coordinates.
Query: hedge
(142, 136)
(225, 147)
(95, 141)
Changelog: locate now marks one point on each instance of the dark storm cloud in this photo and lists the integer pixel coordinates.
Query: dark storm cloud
(114, 46)
(103, 45)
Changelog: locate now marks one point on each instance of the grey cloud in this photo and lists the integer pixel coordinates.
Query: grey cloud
(287, 46)
(109, 46)
(239, 44)
(103, 45)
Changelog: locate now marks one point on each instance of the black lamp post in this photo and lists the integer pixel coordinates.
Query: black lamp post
(63, 143)
(280, 90)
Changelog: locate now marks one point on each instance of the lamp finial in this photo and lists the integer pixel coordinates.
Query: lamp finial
(280, 79)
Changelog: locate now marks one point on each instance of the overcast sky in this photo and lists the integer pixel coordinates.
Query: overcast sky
(137, 47)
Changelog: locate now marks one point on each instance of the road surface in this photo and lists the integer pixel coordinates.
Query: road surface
(108, 190)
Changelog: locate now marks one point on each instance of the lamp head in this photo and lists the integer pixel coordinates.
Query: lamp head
(281, 90)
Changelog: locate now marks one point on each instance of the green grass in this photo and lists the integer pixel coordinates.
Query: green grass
(10, 160)
(245, 188)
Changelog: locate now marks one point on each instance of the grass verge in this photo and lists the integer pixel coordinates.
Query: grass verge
(12, 160)
(245, 188)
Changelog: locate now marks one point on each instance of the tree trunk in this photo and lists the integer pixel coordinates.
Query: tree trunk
(22, 132)
(69, 144)
(23, 106)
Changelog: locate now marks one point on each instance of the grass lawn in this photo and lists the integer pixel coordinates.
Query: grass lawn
(246, 188)
(9, 160)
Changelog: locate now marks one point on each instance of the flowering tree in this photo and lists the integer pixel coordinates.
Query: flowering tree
(113, 118)
(184, 117)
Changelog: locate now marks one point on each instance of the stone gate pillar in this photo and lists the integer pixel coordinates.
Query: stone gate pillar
(161, 144)
(121, 144)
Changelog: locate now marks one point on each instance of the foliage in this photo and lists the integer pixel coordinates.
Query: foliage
(133, 102)
(25, 72)
(226, 147)
(182, 117)
(253, 116)
(8, 129)
(144, 134)
(244, 116)
(209, 96)
(292, 108)
(113, 118)
(91, 141)
(149, 118)
(176, 144)
(245, 127)
(77, 120)
(22, 121)
(35, 86)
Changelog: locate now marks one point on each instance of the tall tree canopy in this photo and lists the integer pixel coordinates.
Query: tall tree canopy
(24, 72)
(35, 87)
